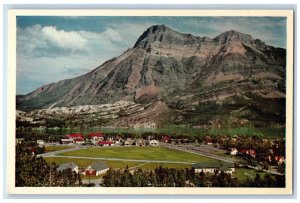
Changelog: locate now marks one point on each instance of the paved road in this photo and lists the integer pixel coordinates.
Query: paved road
(50, 154)
(120, 159)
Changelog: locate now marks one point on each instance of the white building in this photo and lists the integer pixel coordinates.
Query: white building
(40, 143)
(153, 143)
(234, 151)
(214, 167)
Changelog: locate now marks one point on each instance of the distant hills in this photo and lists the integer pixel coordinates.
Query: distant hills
(230, 80)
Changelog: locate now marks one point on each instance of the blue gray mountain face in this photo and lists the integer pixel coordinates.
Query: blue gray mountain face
(190, 75)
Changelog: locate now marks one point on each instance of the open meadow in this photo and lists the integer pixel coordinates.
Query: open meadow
(139, 153)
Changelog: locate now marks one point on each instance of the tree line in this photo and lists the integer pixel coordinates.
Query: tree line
(171, 177)
(33, 171)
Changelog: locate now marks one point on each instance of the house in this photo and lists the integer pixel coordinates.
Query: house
(106, 143)
(117, 143)
(279, 159)
(96, 136)
(66, 141)
(249, 152)
(233, 151)
(66, 166)
(213, 167)
(208, 140)
(75, 136)
(40, 143)
(139, 142)
(96, 169)
(128, 142)
(166, 139)
(153, 143)
(79, 140)
(19, 140)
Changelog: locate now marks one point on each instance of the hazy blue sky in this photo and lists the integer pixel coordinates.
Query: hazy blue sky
(50, 49)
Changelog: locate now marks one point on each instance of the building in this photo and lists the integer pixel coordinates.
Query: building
(153, 143)
(214, 167)
(248, 152)
(129, 143)
(279, 159)
(105, 143)
(208, 140)
(96, 136)
(40, 143)
(79, 140)
(66, 141)
(75, 136)
(233, 151)
(139, 142)
(66, 166)
(96, 169)
(19, 140)
(166, 138)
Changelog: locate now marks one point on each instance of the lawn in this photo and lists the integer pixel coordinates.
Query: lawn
(82, 163)
(244, 173)
(57, 148)
(139, 153)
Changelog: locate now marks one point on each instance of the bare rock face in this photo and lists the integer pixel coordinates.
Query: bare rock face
(181, 70)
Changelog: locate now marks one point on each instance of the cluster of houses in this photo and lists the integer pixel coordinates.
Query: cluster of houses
(100, 139)
(94, 169)
(100, 168)
(272, 157)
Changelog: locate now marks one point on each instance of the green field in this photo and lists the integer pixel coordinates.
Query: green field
(57, 148)
(244, 173)
(140, 153)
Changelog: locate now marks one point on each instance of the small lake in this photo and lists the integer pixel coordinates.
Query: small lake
(171, 130)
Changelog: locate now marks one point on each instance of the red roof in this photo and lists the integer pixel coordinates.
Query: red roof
(166, 138)
(75, 135)
(277, 158)
(104, 142)
(249, 151)
(91, 135)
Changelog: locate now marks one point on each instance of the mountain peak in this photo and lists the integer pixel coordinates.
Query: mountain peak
(154, 33)
(233, 35)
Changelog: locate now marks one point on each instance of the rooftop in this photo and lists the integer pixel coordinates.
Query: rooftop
(98, 166)
(65, 166)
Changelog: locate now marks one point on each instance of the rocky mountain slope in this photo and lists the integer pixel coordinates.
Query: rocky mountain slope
(231, 79)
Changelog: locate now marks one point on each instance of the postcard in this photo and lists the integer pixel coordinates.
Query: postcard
(150, 102)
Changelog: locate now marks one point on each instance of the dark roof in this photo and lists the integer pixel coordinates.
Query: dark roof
(70, 165)
(220, 165)
(99, 166)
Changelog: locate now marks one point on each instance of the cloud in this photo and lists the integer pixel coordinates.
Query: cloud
(60, 38)
(268, 29)
(46, 54)
(36, 38)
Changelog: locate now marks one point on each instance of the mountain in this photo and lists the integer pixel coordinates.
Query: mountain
(187, 79)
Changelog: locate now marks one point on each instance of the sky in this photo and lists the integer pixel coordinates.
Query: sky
(53, 48)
